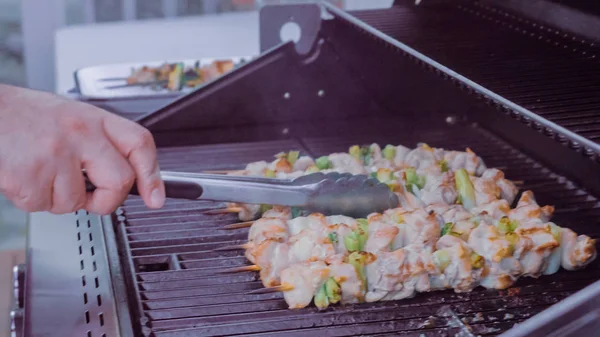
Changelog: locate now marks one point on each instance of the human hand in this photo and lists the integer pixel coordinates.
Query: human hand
(46, 141)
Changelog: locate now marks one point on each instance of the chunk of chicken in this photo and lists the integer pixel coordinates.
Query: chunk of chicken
(314, 221)
(268, 228)
(577, 251)
(486, 190)
(399, 274)
(261, 252)
(496, 209)
(542, 243)
(381, 235)
(280, 212)
(450, 213)
(460, 267)
(303, 163)
(508, 190)
(273, 258)
(310, 245)
(256, 169)
(399, 158)
(501, 267)
(439, 188)
(415, 227)
(423, 228)
(341, 219)
(304, 279)
(423, 156)
(345, 163)
(376, 160)
(528, 208)
(408, 200)
(385, 276)
(468, 160)
(353, 290)
(281, 165)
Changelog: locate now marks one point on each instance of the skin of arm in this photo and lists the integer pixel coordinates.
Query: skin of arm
(46, 141)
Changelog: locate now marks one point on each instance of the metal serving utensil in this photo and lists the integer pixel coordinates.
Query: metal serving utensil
(331, 193)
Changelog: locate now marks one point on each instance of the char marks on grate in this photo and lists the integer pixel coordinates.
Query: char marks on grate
(183, 294)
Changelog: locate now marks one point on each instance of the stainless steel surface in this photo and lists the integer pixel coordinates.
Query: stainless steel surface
(332, 193)
(577, 315)
(68, 290)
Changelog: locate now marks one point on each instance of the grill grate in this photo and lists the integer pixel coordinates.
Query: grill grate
(182, 293)
(549, 72)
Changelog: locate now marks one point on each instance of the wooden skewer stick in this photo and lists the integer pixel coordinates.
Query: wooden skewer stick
(240, 269)
(235, 247)
(244, 224)
(223, 210)
(518, 182)
(282, 288)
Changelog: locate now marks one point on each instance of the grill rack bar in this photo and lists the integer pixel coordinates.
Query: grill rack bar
(198, 300)
(459, 37)
(165, 272)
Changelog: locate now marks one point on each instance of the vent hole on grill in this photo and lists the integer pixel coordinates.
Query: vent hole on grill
(92, 250)
(99, 300)
(77, 222)
(80, 250)
(89, 224)
(81, 265)
(89, 333)
(101, 317)
(149, 267)
(83, 280)
(97, 282)
(94, 266)
(85, 299)
(78, 236)
(91, 238)
(87, 317)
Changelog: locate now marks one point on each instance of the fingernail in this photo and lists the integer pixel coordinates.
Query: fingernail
(157, 198)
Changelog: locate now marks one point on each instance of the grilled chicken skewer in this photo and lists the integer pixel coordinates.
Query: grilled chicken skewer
(421, 176)
(400, 274)
(494, 254)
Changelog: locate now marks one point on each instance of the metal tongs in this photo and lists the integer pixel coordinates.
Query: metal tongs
(330, 194)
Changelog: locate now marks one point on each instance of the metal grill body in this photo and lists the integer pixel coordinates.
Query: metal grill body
(183, 294)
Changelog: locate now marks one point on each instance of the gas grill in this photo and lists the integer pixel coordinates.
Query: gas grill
(518, 88)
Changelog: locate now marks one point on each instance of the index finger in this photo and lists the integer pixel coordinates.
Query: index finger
(136, 144)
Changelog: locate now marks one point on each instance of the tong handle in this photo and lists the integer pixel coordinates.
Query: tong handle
(177, 189)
